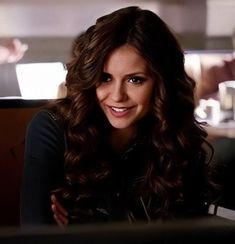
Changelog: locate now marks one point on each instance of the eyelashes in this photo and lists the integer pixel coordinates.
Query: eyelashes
(135, 79)
(105, 77)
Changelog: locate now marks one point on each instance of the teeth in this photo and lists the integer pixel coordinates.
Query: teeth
(119, 110)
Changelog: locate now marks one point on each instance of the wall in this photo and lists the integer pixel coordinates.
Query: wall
(196, 21)
(13, 123)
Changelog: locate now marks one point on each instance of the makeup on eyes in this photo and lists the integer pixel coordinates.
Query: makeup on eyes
(136, 79)
(132, 78)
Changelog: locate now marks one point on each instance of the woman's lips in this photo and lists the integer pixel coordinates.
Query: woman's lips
(119, 111)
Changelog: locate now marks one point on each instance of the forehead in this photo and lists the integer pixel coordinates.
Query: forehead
(125, 56)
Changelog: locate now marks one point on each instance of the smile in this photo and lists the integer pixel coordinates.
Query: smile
(119, 110)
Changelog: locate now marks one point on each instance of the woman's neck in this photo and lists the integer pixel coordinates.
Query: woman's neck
(120, 139)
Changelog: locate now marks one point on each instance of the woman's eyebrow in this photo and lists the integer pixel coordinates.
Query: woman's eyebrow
(106, 73)
(136, 73)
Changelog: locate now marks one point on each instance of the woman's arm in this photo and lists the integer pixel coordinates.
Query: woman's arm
(43, 169)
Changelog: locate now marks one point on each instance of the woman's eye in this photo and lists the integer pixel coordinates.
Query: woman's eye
(136, 80)
(105, 77)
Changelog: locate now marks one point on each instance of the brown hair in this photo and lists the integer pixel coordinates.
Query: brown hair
(176, 137)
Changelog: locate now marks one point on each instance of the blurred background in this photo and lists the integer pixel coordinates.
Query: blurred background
(48, 27)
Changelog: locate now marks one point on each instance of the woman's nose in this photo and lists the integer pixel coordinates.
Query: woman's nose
(118, 92)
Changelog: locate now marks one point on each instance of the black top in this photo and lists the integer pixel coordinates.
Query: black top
(43, 169)
(115, 198)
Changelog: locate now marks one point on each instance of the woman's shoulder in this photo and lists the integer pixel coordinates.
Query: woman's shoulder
(45, 121)
(45, 116)
(45, 132)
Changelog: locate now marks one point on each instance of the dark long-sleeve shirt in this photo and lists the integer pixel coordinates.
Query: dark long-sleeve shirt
(44, 172)
(43, 168)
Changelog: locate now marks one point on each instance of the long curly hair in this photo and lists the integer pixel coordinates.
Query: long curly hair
(176, 137)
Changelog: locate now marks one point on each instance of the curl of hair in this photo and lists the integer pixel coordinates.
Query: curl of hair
(175, 134)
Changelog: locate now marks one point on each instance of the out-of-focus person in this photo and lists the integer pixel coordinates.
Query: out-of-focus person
(12, 50)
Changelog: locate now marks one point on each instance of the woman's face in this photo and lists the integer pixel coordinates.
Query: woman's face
(126, 89)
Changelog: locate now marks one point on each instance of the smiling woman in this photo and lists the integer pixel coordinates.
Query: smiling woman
(125, 93)
(124, 144)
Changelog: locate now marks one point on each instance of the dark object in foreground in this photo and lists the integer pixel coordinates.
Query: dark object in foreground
(202, 230)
